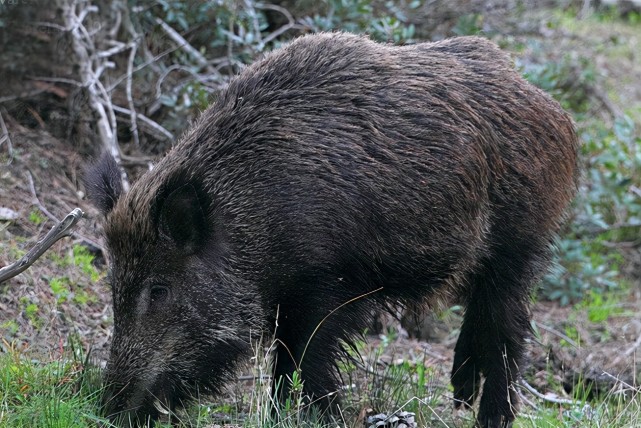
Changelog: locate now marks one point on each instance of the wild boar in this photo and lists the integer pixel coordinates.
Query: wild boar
(337, 170)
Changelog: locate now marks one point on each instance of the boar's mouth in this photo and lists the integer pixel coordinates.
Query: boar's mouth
(132, 406)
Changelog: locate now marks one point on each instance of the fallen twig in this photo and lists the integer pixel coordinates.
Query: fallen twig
(212, 75)
(558, 334)
(57, 232)
(547, 397)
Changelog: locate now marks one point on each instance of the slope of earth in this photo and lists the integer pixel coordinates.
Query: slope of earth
(61, 293)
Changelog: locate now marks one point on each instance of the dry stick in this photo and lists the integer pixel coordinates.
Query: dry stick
(36, 201)
(526, 400)
(74, 22)
(544, 397)
(603, 98)
(5, 137)
(617, 380)
(56, 80)
(113, 33)
(558, 334)
(57, 232)
(119, 47)
(631, 350)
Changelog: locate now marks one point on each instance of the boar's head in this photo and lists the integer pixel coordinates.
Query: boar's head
(181, 320)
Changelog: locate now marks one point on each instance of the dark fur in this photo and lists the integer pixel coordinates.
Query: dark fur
(103, 183)
(333, 167)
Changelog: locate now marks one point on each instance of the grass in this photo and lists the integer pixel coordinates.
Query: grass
(620, 409)
(64, 393)
(60, 393)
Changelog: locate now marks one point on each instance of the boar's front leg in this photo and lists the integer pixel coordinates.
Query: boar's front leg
(310, 337)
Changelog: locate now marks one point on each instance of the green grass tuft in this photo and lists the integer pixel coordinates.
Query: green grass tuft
(61, 393)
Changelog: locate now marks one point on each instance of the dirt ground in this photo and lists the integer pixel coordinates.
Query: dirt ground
(41, 183)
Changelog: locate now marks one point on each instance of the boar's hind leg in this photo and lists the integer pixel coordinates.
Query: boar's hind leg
(495, 327)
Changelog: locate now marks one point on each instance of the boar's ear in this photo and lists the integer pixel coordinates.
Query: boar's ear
(182, 218)
(103, 183)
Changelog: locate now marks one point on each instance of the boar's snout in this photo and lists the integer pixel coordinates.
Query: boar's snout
(131, 400)
(132, 406)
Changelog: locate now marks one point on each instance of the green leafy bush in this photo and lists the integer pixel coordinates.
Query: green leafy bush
(607, 209)
(606, 212)
(360, 16)
(567, 79)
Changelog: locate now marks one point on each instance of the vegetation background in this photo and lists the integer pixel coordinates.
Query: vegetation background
(78, 77)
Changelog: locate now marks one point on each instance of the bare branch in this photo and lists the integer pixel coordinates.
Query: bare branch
(119, 47)
(115, 149)
(27, 94)
(56, 80)
(83, 14)
(636, 389)
(138, 160)
(6, 138)
(45, 211)
(603, 98)
(184, 44)
(130, 100)
(160, 131)
(89, 74)
(204, 79)
(290, 21)
(57, 232)
(140, 67)
(116, 27)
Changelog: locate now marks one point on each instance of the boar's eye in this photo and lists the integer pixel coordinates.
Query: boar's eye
(158, 294)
